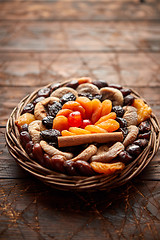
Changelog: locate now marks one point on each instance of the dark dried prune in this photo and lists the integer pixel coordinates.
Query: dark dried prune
(117, 86)
(133, 149)
(124, 131)
(125, 91)
(144, 127)
(83, 168)
(54, 86)
(141, 142)
(122, 122)
(125, 157)
(54, 109)
(97, 96)
(38, 153)
(69, 167)
(24, 138)
(90, 96)
(145, 135)
(50, 135)
(72, 84)
(24, 127)
(128, 100)
(29, 108)
(67, 97)
(100, 83)
(118, 110)
(57, 163)
(48, 121)
(44, 92)
(39, 99)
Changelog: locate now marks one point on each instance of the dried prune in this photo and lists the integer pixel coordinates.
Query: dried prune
(54, 109)
(83, 168)
(122, 122)
(54, 86)
(144, 127)
(125, 91)
(24, 138)
(141, 142)
(24, 127)
(125, 157)
(134, 150)
(44, 92)
(50, 135)
(67, 97)
(69, 167)
(118, 110)
(48, 121)
(39, 99)
(97, 96)
(57, 163)
(145, 135)
(100, 83)
(128, 100)
(90, 96)
(72, 84)
(29, 108)
(38, 153)
(117, 86)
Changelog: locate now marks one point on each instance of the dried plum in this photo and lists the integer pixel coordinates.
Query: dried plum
(100, 83)
(122, 122)
(48, 121)
(118, 110)
(134, 150)
(72, 84)
(141, 142)
(125, 157)
(128, 100)
(67, 97)
(125, 91)
(124, 131)
(54, 86)
(29, 108)
(144, 127)
(24, 127)
(83, 168)
(50, 135)
(117, 86)
(44, 92)
(145, 135)
(90, 96)
(69, 167)
(54, 109)
(39, 99)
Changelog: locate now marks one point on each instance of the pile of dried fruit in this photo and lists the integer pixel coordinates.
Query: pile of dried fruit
(84, 106)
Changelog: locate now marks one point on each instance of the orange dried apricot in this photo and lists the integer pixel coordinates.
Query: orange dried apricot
(86, 103)
(64, 112)
(60, 123)
(67, 133)
(84, 80)
(96, 110)
(107, 168)
(111, 115)
(109, 125)
(78, 131)
(143, 110)
(106, 107)
(75, 106)
(25, 118)
(95, 129)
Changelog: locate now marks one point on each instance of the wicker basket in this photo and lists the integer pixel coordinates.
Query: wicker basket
(77, 183)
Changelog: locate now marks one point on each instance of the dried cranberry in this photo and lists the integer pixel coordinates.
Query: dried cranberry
(118, 110)
(44, 92)
(100, 83)
(144, 127)
(48, 121)
(72, 84)
(133, 149)
(128, 100)
(125, 91)
(24, 138)
(29, 108)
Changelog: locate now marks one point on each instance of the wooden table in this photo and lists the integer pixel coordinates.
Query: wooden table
(51, 41)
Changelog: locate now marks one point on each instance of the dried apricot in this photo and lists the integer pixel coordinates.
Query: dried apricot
(86, 103)
(143, 110)
(111, 115)
(107, 168)
(79, 131)
(67, 133)
(64, 112)
(96, 110)
(75, 106)
(109, 125)
(25, 118)
(106, 107)
(95, 129)
(84, 80)
(60, 123)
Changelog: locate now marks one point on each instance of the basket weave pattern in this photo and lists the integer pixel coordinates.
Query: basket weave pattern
(77, 183)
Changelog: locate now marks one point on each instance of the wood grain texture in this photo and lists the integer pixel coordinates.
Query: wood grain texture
(79, 10)
(77, 36)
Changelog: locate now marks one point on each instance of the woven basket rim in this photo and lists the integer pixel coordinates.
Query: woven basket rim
(77, 183)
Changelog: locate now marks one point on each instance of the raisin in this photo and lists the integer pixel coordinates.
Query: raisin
(50, 135)
(54, 109)
(83, 167)
(48, 121)
(118, 110)
(69, 167)
(125, 91)
(145, 135)
(39, 99)
(72, 84)
(24, 138)
(100, 83)
(44, 92)
(134, 150)
(128, 100)
(67, 97)
(122, 122)
(144, 127)
(24, 127)
(141, 142)
(29, 108)
(117, 86)
(125, 157)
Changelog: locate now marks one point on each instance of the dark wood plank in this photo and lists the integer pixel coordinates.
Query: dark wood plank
(76, 36)
(30, 210)
(79, 10)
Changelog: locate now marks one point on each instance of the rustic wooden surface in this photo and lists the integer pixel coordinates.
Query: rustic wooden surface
(51, 41)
